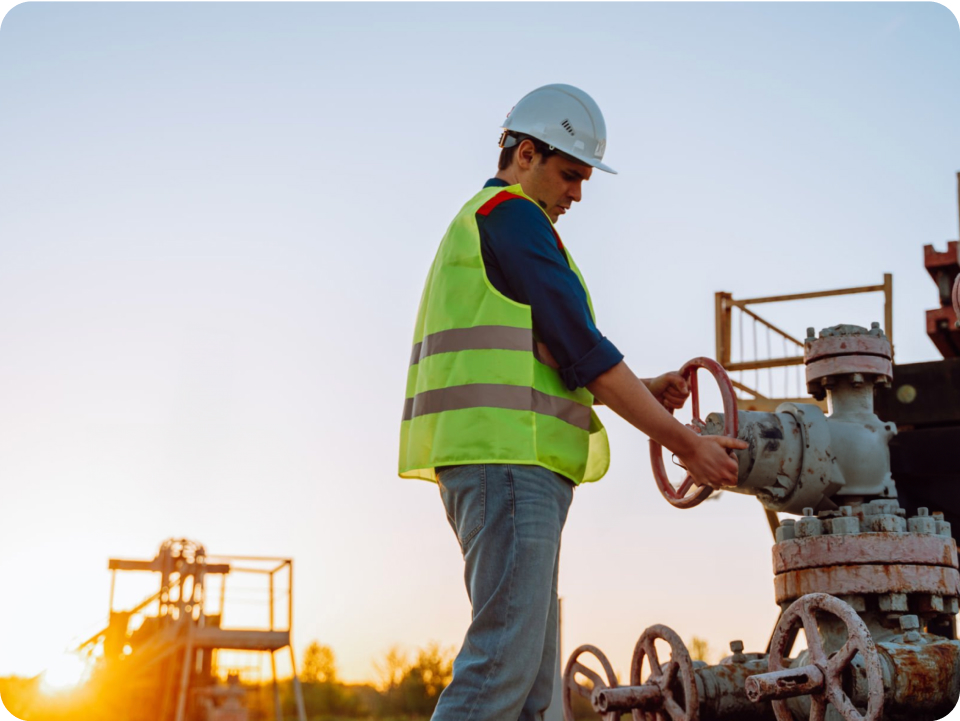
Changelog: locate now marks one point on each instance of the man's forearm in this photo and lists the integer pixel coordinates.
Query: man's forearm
(629, 397)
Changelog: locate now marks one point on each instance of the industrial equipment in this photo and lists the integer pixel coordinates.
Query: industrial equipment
(868, 573)
(158, 660)
(874, 590)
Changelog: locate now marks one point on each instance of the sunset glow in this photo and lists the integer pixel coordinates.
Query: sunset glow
(64, 674)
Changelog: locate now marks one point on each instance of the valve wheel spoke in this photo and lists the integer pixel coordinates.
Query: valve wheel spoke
(818, 707)
(814, 644)
(677, 713)
(685, 486)
(656, 670)
(590, 674)
(843, 657)
(671, 673)
(844, 705)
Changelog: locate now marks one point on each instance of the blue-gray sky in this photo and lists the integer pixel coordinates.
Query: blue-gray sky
(215, 221)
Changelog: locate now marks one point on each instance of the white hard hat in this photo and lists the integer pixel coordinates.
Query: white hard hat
(563, 117)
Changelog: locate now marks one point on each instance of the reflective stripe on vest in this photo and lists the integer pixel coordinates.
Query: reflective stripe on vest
(497, 395)
(481, 337)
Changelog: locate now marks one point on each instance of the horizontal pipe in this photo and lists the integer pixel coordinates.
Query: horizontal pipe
(804, 296)
(627, 698)
(768, 363)
(784, 684)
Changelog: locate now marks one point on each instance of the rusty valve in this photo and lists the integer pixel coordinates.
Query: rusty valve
(688, 494)
(574, 667)
(663, 683)
(822, 677)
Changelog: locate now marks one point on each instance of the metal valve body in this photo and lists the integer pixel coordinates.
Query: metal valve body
(798, 457)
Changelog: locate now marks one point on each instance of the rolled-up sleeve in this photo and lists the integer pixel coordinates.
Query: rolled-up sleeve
(598, 360)
(524, 263)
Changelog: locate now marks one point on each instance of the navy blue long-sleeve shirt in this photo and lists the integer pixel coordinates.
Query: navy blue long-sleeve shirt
(524, 263)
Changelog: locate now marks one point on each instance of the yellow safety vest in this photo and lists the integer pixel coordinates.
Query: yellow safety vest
(476, 390)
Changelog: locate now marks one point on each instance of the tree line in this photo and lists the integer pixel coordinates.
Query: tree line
(408, 688)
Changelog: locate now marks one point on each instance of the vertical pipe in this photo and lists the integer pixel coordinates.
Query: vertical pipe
(188, 662)
(277, 711)
(718, 325)
(223, 596)
(888, 307)
(113, 585)
(773, 520)
(722, 328)
(297, 689)
(271, 603)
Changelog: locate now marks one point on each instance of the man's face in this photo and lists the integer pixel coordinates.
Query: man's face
(555, 183)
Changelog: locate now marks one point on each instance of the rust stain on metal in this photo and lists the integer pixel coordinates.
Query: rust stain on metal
(864, 548)
(847, 345)
(925, 677)
(848, 580)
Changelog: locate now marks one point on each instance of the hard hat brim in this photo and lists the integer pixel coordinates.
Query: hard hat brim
(592, 163)
(604, 168)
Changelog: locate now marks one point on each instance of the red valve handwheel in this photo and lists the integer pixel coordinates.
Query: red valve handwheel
(688, 494)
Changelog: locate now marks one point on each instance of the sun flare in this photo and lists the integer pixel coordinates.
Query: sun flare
(63, 674)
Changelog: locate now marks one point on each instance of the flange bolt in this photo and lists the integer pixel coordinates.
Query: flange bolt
(909, 624)
(737, 648)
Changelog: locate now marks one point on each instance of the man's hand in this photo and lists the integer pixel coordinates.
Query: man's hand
(706, 457)
(670, 389)
(710, 461)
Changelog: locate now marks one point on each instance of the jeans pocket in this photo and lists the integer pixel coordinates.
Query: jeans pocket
(463, 490)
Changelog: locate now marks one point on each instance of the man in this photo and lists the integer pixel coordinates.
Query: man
(507, 363)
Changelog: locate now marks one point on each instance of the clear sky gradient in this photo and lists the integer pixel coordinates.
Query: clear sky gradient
(215, 222)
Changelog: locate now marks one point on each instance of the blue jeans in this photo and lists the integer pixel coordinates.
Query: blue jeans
(508, 520)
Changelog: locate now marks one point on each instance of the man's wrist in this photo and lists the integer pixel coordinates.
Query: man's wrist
(686, 442)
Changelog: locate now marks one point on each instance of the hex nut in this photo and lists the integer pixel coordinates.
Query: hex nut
(786, 531)
(909, 622)
(892, 601)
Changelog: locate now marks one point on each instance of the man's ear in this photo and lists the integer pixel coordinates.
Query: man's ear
(525, 154)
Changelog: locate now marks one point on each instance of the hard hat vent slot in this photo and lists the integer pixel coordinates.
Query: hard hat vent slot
(569, 128)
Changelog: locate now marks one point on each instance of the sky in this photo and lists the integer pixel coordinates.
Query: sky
(216, 219)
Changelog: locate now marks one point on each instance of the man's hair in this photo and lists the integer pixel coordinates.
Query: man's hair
(506, 155)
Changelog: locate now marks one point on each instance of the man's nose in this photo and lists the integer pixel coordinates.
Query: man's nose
(576, 192)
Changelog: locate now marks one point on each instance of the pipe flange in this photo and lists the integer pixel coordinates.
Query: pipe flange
(845, 350)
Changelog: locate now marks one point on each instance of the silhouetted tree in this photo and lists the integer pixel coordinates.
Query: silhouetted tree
(414, 687)
(319, 664)
(700, 649)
